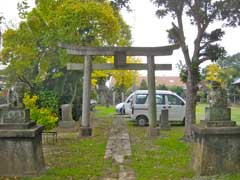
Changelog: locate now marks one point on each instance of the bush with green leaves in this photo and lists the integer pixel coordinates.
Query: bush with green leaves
(48, 99)
(41, 115)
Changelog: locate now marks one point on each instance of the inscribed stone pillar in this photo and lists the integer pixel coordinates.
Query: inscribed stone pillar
(86, 130)
(67, 120)
(153, 131)
(164, 123)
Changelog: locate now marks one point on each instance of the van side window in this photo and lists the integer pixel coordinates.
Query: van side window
(173, 100)
(160, 99)
(141, 98)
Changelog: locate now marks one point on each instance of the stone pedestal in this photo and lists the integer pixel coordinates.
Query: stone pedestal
(216, 150)
(85, 132)
(67, 120)
(21, 152)
(20, 143)
(216, 145)
(164, 123)
(217, 114)
(153, 131)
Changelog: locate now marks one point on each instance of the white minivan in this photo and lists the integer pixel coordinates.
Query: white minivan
(164, 100)
(126, 106)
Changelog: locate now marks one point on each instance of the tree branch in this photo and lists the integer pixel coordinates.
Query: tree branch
(202, 60)
(180, 31)
(23, 79)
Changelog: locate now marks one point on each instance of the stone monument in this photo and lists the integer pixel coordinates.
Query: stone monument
(164, 123)
(216, 146)
(67, 120)
(20, 139)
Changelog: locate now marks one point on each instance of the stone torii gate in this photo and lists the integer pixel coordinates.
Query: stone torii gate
(119, 54)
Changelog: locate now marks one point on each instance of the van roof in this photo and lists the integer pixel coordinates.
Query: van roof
(157, 91)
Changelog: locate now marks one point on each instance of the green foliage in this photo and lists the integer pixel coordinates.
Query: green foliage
(43, 116)
(231, 12)
(32, 49)
(230, 62)
(177, 89)
(230, 70)
(162, 87)
(184, 72)
(143, 85)
(119, 4)
(125, 78)
(22, 9)
(48, 99)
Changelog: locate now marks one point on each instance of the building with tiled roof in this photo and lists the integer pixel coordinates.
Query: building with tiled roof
(165, 80)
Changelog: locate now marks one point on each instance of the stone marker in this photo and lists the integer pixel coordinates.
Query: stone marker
(67, 120)
(20, 139)
(216, 147)
(164, 123)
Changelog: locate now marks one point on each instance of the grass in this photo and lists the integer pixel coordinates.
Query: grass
(235, 113)
(103, 112)
(164, 158)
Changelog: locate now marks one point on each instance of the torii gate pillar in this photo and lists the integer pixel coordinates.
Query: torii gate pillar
(153, 130)
(85, 129)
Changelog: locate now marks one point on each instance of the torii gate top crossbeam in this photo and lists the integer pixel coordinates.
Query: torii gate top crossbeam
(110, 51)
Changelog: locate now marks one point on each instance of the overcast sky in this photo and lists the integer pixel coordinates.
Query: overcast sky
(147, 29)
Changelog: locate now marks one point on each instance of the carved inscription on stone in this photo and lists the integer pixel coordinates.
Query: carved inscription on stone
(16, 116)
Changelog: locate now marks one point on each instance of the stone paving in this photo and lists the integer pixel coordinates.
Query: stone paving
(119, 149)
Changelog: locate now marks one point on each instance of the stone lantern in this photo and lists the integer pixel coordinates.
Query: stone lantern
(216, 141)
(20, 139)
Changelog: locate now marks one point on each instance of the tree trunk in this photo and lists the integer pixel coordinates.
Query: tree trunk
(191, 94)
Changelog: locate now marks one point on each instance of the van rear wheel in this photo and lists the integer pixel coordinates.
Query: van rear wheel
(142, 121)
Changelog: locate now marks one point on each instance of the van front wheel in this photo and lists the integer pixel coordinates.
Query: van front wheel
(142, 121)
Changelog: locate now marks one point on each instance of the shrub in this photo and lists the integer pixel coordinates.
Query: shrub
(48, 99)
(177, 89)
(43, 116)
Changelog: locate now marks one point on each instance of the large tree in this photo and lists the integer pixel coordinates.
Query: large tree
(201, 14)
(31, 50)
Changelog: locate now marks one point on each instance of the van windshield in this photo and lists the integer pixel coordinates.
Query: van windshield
(141, 98)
